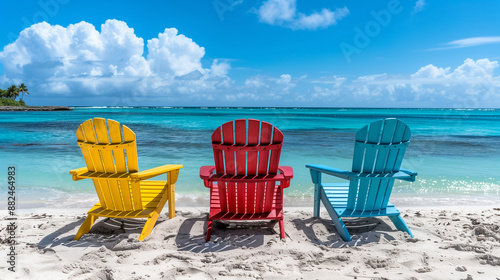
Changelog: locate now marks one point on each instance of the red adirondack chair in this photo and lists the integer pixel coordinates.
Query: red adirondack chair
(247, 183)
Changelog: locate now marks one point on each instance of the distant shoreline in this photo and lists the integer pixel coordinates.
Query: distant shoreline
(34, 108)
(70, 108)
(274, 107)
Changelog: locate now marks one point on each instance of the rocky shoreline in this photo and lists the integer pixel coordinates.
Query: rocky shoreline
(35, 108)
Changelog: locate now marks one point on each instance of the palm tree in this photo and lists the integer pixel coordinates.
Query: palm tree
(23, 89)
(12, 92)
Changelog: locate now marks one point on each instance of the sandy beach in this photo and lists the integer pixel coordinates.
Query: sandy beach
(352, 103)
(458, 243)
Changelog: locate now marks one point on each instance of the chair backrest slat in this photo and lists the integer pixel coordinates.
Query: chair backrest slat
(102, 137)
(80, 135)
(275, 154)
(240, 134)
(222, 196)
(90, 137)
(129, 136)
(373, 136)
(357, 159)
(218, 157)
(265, 138)
(110, 186)
(228, 138)
(116, 137)
(386, 138)
(253, 139)
(115, 134)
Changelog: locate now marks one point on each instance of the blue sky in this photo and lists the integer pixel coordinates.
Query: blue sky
(424, 53)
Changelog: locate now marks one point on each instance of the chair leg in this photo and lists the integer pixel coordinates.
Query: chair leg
(317, 200)
(171, 202)
(209, 231)
(400, 224)
(85, 227)
(316, 178)
(337, 221)
(282, 229)
(148, 227)
(341, 228)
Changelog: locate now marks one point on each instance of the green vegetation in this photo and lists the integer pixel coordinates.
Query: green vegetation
(10, 102)
(8, 97)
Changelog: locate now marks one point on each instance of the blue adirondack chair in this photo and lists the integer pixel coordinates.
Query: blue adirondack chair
(378, 153)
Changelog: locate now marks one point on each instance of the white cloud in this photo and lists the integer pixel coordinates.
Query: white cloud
(285, 79)
(419, 6)
(60, 88)
(273, 85)
(325, 92)
(371, 78)
(275, 12)
(323, 19)
(480, 70)
(336, 80)
(174, 54)
(469, 42)
(431, 71)
(475, 41)
(471, 84)
(219, 69)
(255, 82)
(284, 13)
(334, 90)
(80, 59)
(263, 90)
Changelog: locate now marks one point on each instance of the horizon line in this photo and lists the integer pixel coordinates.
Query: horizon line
(278, 107)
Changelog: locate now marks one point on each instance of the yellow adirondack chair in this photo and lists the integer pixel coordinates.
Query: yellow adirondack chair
(112, 165)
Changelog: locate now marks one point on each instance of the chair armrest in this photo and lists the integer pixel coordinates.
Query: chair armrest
(406, 175)
(77, 172)
(409, 172)
(348, 175)
(287, 171)
(153, 172)
(205, 172)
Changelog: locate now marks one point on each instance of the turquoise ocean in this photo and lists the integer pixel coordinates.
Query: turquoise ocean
(456, 152)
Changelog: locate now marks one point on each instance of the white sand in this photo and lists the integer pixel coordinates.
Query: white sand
(449, 244)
